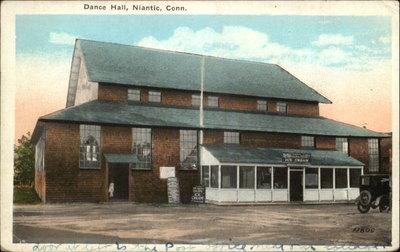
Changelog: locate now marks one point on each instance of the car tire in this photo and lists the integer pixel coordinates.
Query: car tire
(365, 198)
(363, 209)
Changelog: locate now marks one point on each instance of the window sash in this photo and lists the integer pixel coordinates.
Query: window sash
(326, 178)
(231, 137)
(212, 101)
(188, 149)
(261, 105)
(280, 177)
(342, 145)
(89, 147)
(134, 94)
(228, 176)
(154, 96)
(142, 146)
(281, 107)
(264, 177)
(307, 141)
(311, 178)
(214, 176)
(196, 100)
(340, 178)
(246, 177)
(373, 153)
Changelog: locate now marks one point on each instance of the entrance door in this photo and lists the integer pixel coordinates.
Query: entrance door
(119, 175)
(296, 185)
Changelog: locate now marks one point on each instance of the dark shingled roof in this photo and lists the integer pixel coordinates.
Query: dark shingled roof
(234, 153)
(139, 66)
(98, 112)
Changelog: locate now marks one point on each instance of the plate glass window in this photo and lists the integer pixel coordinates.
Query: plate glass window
(280, 178)
(231, 137)
(342, 145)
(355, 177)
(133, 94)
(196, 100)
(188, 149)
(326, 178)
(154, 96)
(246, 177)
(263, 177)
(373, 153)
(311, 178)
(214, 176)
(340, 178)
(228, 176)
(212, 101)
(262, 105)
(141, 146)
(307, 141)
(281, 107)
(90, 147)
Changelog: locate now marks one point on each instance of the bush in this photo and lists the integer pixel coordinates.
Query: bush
(25, 195)
(24, 161)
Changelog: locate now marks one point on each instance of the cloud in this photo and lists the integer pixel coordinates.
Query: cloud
(333, 39)
(62, 38)
(384, 39)
(333, 55)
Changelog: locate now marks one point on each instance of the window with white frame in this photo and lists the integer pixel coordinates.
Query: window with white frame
(214, 176)
(326, 178)
(141, 146)
(311, 178)
(154, 96)
(280, 177)
(262, 105)
(342, 145)
(246, 177)
(205, 175)
(373, 153)
(196, 100)
(89, 157)
(231, 137)
(188, 149)
(133, 94)
(228, 176)
(281, 107)
(263, 177)
(307, 141)
(212, 101)
(340, 178)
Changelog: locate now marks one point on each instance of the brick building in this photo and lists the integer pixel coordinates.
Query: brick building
(247, 131)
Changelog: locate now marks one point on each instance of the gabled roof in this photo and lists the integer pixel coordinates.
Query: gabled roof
(98, 112)
(234, 153)
(139, 66)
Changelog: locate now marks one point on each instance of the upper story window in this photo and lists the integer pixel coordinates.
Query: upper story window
(196, 100)
(154, 96)
(281, 107)
(141, 146)
(231, 137)
(307, 141)
(133, 94)
(188, 149)
(262, 105)
(89, 157)
(373, 153)
(212, 101)
(342, 145)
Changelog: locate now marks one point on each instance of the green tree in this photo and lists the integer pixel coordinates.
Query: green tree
(24, 161)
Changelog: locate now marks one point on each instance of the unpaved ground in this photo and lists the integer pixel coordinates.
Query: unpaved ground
(134, 223)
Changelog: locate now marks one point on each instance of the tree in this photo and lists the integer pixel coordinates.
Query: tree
(24, 161)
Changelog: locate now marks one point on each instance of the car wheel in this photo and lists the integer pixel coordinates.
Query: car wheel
(365, 198)
(363, 209)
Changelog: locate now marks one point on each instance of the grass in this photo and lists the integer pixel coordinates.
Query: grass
(25, 195)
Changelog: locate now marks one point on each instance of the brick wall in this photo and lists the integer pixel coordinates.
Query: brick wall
(276, 140)
(176, 98)
(358, 149)
(297, 108)
(213, 137)
(386, 155)
(237, 102)
(322, 142)
(113, 93)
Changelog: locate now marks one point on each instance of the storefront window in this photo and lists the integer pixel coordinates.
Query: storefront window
(280, 178)
(340, 178)
(206, 175)
(311, 178)
(246, 177)
(263, 177)
(326, 178)
(228, 176)
(214, 176)
(355, 177)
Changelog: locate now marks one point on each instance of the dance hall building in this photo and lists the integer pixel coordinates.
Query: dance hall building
(247, 131)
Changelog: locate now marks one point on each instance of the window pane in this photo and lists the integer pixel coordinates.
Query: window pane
(281, 107)
(262, 105)
(133, 94)
(196, 100)
(231, 137)
(373, 152)
(188, 149)
(214, 176)
(206, 175)
(263, 177)
(342, 145)
(212, 101)
(228, 176)
(355, 177)
(141, 146)
(154, 96)
(340, 178)
(311, 178)
(246, 177)
(89, 146)
(280, 177)
(326, 178)
(307, 141)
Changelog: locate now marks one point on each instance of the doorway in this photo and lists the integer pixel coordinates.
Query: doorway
(119, 175)
(296, 185)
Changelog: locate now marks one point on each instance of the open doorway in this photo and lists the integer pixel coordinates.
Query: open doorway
(296, 185)
(119, 175)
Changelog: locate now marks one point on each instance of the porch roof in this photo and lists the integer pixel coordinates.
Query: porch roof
(129, 158)
(239, 154)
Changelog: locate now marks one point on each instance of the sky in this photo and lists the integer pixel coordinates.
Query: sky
(345, 58)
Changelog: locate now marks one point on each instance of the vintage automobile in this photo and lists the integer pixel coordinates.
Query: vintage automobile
(375, 192)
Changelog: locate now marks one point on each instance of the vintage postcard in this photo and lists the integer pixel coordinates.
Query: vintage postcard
(199, 126)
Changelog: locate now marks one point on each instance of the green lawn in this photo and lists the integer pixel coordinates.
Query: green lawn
(25, 195)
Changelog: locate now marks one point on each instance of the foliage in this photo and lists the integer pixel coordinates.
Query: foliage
(25, 195)
(24, 161)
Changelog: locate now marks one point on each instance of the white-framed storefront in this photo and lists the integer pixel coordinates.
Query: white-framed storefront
(249, 182)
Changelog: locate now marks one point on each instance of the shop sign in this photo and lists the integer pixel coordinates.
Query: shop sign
(198, 195)
(296, 158)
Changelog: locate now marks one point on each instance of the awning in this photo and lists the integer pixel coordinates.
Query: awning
(238, 154)
(121, 158)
